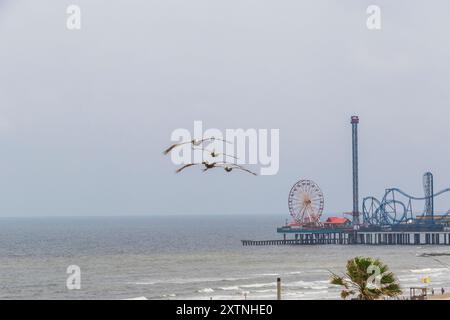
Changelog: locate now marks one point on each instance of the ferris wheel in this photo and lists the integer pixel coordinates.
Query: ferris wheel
(306, 202)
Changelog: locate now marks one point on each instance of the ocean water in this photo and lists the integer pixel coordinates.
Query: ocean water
(184, 257)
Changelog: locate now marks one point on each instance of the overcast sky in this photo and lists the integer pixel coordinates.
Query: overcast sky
(84, 115)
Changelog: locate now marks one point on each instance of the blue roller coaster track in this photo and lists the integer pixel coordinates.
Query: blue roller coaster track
(391, 211)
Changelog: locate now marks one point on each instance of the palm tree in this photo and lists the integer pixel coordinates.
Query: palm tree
(367, 279)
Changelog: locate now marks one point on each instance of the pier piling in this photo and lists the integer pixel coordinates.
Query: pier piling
(355, 238)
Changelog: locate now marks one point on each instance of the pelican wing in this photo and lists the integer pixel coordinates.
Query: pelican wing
(214, 138)
(174, 146)
(236, 166)
(245, 169)
(229, 155)
(186, 166)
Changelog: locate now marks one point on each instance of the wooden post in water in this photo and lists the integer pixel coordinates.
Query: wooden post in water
(278, 288)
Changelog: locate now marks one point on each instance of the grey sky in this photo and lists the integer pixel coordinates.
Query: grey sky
(84, 115)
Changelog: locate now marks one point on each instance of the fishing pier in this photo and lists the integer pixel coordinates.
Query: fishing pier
(388, 220)
(344, 237)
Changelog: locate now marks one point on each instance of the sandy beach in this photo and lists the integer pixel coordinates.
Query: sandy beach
(445, 296)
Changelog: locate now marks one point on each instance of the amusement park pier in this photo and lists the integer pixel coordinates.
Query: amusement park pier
(391, 220)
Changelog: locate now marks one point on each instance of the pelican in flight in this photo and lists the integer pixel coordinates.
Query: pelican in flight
(228, 167)
(194, 143)
(205, 163)
(215, 154)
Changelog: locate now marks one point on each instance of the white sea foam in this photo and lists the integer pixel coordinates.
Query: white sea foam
(187, 280)
(206, 290)
(408, 279)
(300, 284)
(205, 280)
(229, 288)
(316, 293)
(258, 285)
(293, 295)
(295, 272)
(315, 285)
(214, 297)
(263, 291)
(429, 270)
(137, 298)
(319, 287)
(145, 283)
(261, 296)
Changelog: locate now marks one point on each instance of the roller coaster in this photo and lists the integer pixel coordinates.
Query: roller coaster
(396, 207)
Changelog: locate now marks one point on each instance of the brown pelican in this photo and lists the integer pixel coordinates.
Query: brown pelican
(228, 167)
(205, 163)
(215, 154)
(193, 142)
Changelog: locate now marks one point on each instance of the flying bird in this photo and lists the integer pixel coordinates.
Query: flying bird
(205, 163)
(193, 142)
(228, 167)
(215, 154)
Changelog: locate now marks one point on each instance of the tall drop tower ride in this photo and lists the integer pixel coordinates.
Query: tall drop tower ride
(355, 213)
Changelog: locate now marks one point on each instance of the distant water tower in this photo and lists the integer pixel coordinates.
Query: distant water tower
(428, 189)
(355, 213)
